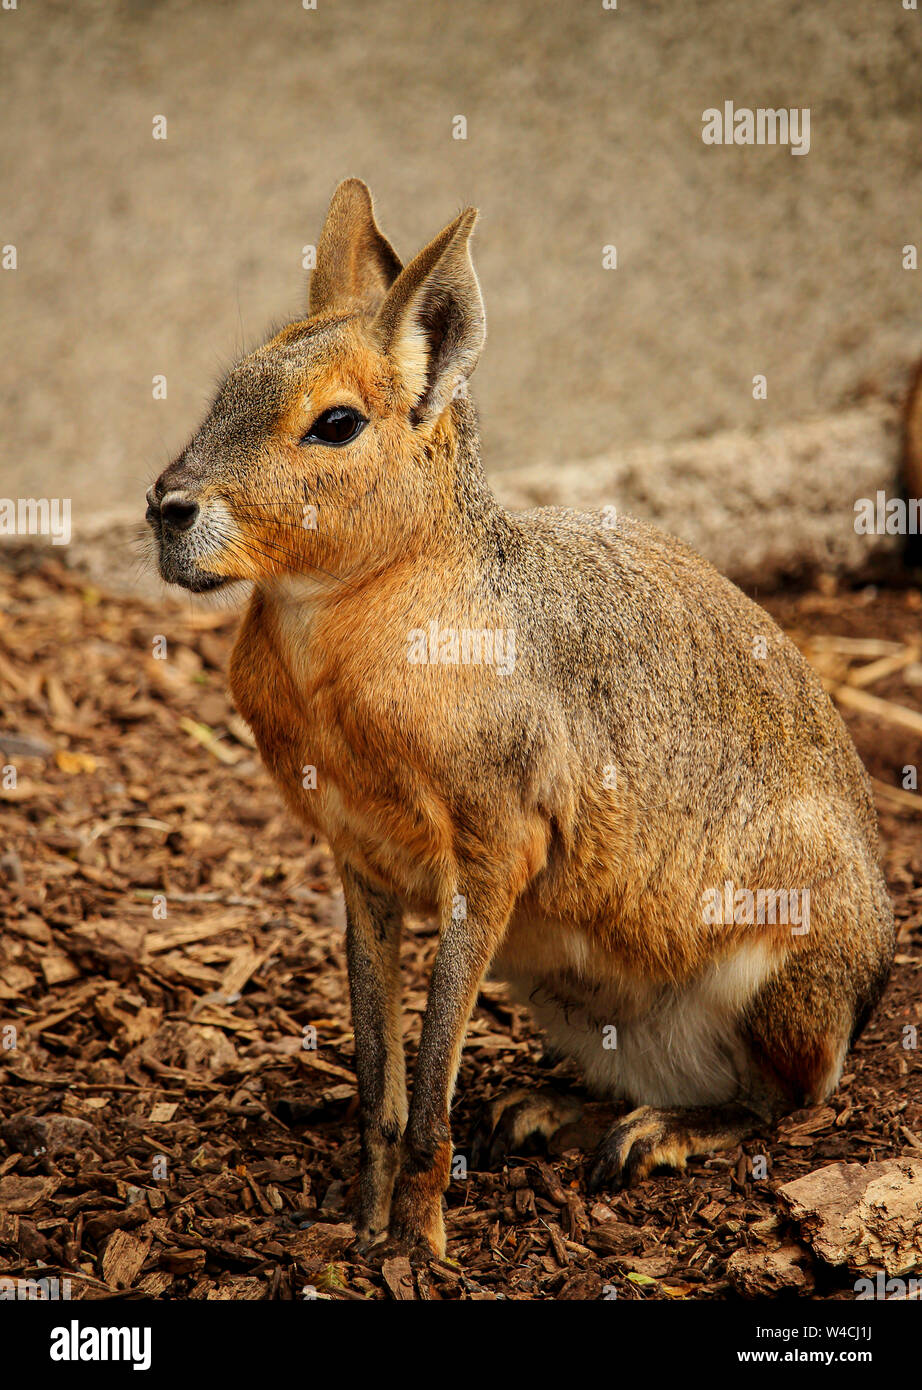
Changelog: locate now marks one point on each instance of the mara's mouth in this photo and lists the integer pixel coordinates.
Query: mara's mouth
(184, 552)
(203, 583)
(182, 570)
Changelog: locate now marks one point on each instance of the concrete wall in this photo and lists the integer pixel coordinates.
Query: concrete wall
(139, 257)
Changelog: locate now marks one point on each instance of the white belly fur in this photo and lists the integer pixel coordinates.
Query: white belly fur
(673, 1046)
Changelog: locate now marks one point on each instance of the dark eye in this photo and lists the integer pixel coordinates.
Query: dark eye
(335, 426)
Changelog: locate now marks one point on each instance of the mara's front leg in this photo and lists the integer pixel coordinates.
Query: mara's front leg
(471, 930)
(374, 922)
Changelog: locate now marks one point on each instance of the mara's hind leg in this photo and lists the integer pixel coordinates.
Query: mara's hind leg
(518, 1121)
(807, 1015)
(653, 1137)
(795, 1033)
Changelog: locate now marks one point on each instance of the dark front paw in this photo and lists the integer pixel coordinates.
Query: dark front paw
(417, 1226)
(367, 1238)
(416, 1210)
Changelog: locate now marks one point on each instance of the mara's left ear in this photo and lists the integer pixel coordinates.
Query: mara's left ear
(432, 322)
(356, 264)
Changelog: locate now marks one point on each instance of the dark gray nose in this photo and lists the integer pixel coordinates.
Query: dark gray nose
(178, 511)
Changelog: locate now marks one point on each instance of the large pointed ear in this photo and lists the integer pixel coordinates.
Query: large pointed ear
(356, 265)
(432, 323)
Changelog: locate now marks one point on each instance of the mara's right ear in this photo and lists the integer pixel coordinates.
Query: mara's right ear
(356, 264)
(432, 323)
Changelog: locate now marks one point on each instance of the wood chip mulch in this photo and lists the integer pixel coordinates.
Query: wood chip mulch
(177, 1098)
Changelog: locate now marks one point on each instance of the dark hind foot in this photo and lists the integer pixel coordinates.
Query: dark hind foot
(519, 1122)
(649, 1138)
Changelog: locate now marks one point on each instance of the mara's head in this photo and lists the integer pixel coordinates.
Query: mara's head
(333, 443)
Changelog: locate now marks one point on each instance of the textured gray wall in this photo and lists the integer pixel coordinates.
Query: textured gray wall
(139, 257)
